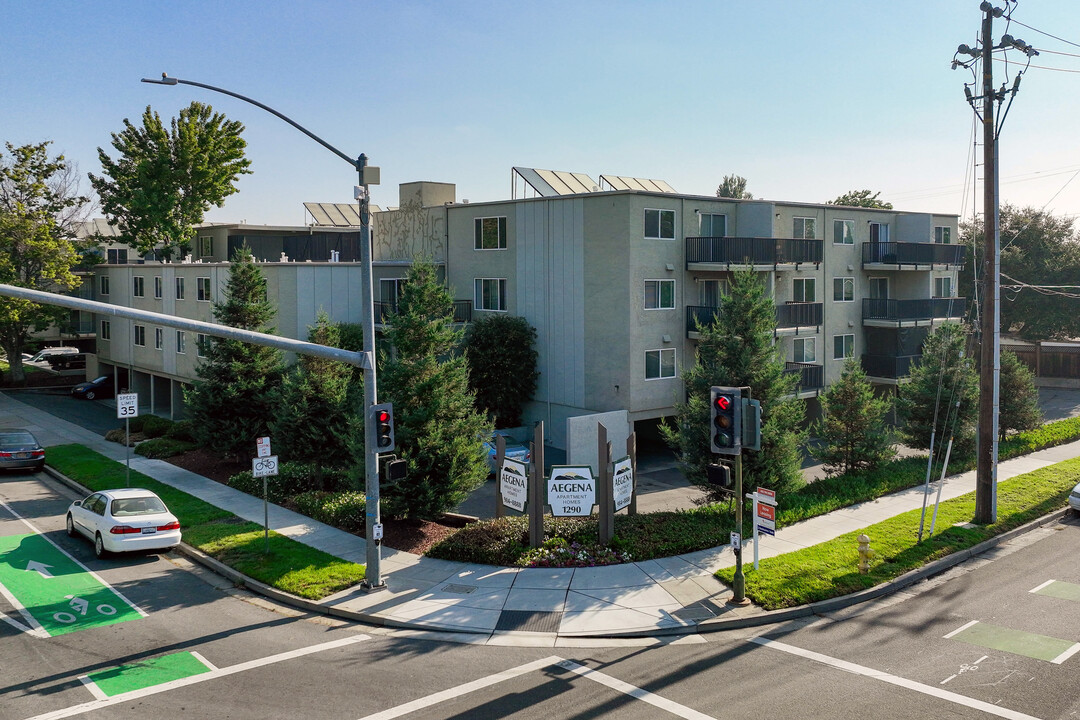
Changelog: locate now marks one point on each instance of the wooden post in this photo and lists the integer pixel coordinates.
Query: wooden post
(500, 453)
(631, 450)
(536, 489)
(603, 486)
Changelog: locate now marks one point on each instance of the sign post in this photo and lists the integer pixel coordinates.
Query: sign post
(264, 465)
(127, 407)
(764, 515)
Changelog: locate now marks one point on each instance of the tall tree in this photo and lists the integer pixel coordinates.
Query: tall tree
(942, 395)
(502, 366)
(438, 430)
(852, 428)
(1019, 405)
(733, 186)
(165, 179)
(39, 207)
(1037, 249)
(861, 198)
(737, 350)
(233, 400)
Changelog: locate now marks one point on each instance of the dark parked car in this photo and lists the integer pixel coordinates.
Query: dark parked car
(20, 450)
(101, 387)
(67, 360)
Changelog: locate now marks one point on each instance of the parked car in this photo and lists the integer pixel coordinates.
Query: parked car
(124, 520)
(47, 354)
(20, 450)
(64, 361)
(514, 450)
(101, 387)
(1074, 499)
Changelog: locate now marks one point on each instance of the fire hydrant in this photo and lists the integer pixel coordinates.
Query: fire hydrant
(865, 553)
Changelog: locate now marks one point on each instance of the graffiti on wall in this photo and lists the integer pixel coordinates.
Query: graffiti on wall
(410, 231)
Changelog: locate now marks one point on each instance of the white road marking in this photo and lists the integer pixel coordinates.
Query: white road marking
(960, 629)
(894, 680)
(1067, 654)
(981, 659)
(195, 679)
(93, 688)
(32, 627)
(198, 656)
(947, 679)
(1040, 587)
(635, 692)
(18, 625)
(92, 574)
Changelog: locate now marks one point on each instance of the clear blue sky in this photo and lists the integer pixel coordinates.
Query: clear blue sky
(805, 99)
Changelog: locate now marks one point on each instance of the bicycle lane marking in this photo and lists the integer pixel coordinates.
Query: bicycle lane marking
(55, 593)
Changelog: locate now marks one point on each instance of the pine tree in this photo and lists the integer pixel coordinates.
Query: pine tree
(233, 400)
(1019, 403)
(312, 421)
(942, 378)
(853, 427)
(438, 430)
(737, 350)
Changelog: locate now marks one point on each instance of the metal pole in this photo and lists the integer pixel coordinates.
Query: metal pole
(266, 517)
(127, 451)
(926, 485)
(738, 585)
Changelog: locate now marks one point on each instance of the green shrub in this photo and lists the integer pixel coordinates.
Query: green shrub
(155, 427)
(162, 447)
(136, 423)
(291, 480)
(182, 430)
(344, 510)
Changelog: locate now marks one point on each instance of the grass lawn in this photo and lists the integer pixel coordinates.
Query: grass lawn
(831, 568)
(289, 565)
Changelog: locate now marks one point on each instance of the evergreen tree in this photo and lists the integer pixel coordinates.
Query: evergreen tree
(439, 432)
(502, 366)
(737, 350)
(1019, 400)
(312, 421)
(853, 427)
(940, 379)
(233, 400)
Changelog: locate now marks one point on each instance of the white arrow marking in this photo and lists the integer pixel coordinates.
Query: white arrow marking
(79, 604)
(35, 566)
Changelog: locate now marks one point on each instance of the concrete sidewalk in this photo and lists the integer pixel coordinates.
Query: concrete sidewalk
(665, 596)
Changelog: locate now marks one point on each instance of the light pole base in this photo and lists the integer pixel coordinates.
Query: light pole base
(738, 603)
(369, 588)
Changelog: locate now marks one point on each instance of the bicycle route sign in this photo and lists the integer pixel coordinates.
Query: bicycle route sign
(264, 466)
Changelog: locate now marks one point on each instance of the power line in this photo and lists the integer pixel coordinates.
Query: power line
(1042, 32)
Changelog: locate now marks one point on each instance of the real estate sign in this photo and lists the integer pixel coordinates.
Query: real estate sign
(514, 484)
(571, 490)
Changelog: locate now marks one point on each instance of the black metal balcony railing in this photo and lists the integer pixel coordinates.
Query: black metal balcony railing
(919, 309)
(791, 315)
(906, 253)
(888, 366)
(811, 377)
(699, 314)
(79, 327)
(753, 251)
(385, 308)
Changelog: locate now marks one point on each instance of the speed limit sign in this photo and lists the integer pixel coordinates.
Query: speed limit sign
(127, 405)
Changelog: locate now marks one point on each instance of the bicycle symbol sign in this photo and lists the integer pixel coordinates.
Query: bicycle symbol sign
(81, 606)
(264, 466)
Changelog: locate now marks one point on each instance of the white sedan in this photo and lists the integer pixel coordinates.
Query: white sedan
(124, 520)
(1074, 499)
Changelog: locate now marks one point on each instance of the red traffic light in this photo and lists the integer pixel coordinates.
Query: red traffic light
(382, 416)
(723, 402)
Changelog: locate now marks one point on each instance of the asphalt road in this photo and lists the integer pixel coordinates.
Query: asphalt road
(94, 415)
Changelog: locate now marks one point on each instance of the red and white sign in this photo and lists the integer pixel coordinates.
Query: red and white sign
(766, 496)
(766, 512)
(262, 447)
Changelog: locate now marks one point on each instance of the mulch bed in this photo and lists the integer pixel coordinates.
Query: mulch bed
(414, 536)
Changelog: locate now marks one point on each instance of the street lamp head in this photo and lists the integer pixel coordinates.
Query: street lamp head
(165, 80)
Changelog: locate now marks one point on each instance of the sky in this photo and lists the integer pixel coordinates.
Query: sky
(807, 100)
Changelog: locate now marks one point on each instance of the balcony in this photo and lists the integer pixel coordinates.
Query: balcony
(811, 377)
(913, 256)
(725, 253)
(881, 312)
(789, 316)
(384, 309)
(888, 369)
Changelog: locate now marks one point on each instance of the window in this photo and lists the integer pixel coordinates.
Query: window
(659, 224)
(179, 288)
(390, 290)
(843, 346)
(879, 288)
(943, 234)
(140, 335)
(137, 289)
(805, 350)
(660, 364)
(803, 290)
(158, 287)
(206, 246)
(843, 289)
(879, 232)
(159, 338)
(713, 225)
(943, 287)
(106, 330)
(804, 228)
(117, 256)
(490, 233)
(103, 285)
(181, 342)
(202, 288)
(843, 232)
(659, 294)
(710, 292)
(490, 294)
(201, 343)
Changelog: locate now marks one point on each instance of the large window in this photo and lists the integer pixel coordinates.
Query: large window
(713, 225)
(159, 338)
(804, 350)
(202, 286)
(943, 234)
(843, 346)
(117, 256)
(202, 344)
(943, 287)
(106, 330)
(659, 294)
(879, 232)
(490, 233)
(660, 364)
(137, 286)
(843, 232)
(390, 290)
(103, 284)
(206, 246)
(804, 228)
(140, 335)
(179, 288)
(489, 294)
(659, 224)
(181, 342)
(804, 290)
(710, 292)
(157, 287)
(843, 289)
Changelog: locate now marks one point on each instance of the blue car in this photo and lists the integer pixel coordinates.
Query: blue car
(101, 387)
(514, 450)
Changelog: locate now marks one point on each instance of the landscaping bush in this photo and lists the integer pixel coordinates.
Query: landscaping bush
(162, 447)
(136, 423)
(292, 479)
(344, 510)
(182, 430)
(559, 552)
(155, 427)
(117, 435)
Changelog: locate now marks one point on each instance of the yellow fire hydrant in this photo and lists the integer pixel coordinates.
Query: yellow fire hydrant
(865, 553)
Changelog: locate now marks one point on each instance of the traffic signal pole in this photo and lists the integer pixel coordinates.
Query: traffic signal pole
(738, 584)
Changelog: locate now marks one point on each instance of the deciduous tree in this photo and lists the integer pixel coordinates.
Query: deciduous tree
(733, 186)
(861, 198)
(502, 366)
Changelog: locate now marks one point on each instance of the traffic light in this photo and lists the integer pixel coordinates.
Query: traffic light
(725, 408)
(751, 424)
(382, 417)
(719, 476)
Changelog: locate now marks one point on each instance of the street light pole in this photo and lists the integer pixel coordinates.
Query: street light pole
(367, 176)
